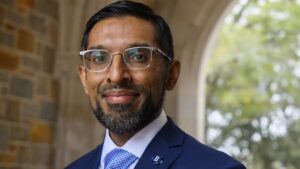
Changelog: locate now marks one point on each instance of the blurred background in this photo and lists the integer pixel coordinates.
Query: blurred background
(238, 88)
(253, 82)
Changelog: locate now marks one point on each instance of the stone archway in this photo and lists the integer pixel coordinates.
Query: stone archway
(193, 26)
(194, 31)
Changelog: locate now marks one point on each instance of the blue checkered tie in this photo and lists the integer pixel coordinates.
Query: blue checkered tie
(118, 159)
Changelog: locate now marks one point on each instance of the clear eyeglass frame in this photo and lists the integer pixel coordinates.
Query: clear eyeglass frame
(84, 53)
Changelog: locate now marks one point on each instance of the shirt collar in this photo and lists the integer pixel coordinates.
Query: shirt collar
(139, 142)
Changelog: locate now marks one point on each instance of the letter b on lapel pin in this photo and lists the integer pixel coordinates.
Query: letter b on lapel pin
(157, 160)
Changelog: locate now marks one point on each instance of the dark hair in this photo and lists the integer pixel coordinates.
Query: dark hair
(139, 10)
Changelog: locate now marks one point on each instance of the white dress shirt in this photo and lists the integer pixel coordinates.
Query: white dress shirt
(138, 143)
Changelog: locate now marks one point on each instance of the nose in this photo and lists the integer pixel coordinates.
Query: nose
(118, 72)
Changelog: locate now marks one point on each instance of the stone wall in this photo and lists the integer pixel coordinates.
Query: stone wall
(45, 119)
(29, 93)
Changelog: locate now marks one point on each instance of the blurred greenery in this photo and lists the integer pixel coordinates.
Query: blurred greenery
(253, 85)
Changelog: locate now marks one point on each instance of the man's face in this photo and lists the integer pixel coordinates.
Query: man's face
(124, 100)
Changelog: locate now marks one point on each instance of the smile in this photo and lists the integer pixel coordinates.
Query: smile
(120, 96)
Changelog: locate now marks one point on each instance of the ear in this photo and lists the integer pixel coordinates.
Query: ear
(83, 78)
(174, 71)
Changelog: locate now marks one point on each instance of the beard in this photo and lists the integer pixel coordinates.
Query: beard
(120, 118)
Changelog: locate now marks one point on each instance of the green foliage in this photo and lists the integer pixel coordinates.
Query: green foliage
(253, 85)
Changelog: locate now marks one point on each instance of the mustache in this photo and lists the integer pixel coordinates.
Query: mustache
(128, 86)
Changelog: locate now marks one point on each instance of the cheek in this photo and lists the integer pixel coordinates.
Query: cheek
(93, 82)
(159, 82)
(156, 92)
(153, 81)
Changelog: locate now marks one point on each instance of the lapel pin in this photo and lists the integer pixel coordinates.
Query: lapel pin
(157, 160)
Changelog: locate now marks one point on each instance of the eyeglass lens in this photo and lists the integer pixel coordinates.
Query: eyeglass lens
(136, 58)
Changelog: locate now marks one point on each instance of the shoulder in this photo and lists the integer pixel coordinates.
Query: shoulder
(193, 154)
(86, 161)
(197, 154)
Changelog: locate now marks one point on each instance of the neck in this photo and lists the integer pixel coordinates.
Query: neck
(121, 139)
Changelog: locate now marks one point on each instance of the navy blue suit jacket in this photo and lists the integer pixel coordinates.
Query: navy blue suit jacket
(171, 148)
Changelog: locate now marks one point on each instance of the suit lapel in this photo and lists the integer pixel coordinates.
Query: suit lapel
(95, 162)
(165, 147)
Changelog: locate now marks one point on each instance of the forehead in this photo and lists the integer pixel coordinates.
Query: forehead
(122, 32)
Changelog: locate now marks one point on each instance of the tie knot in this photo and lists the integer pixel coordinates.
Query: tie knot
(119, 159)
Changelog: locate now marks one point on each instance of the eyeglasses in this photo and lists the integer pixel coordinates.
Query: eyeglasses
(98, 60)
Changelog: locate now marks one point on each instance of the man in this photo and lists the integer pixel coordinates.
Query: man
(128, 63)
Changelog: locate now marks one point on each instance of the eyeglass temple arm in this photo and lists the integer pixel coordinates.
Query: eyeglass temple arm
(164, 54)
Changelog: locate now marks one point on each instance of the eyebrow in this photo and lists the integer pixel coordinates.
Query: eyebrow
(129, 46)
(97, 47)
(139, 45)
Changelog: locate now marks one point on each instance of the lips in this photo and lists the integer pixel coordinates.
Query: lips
(120, 96)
